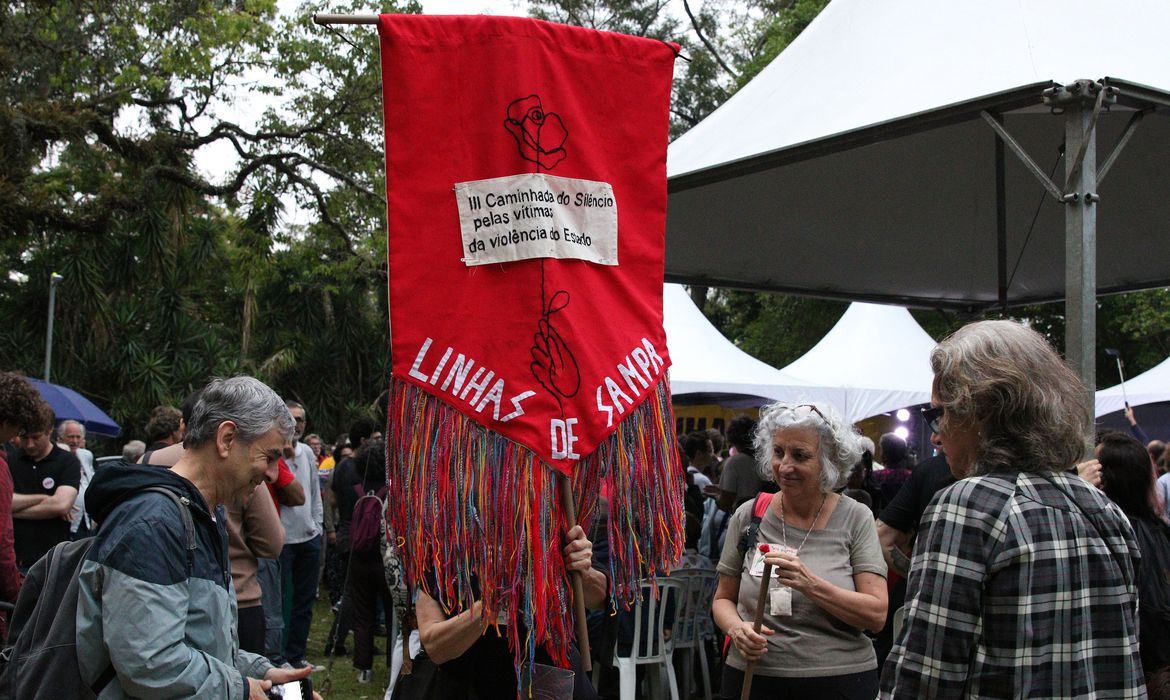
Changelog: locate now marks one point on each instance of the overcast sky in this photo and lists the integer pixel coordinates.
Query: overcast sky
(216, 160)
(475, 7)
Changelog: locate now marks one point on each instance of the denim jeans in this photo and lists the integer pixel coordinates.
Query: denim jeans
(272, 599)
(298, 570)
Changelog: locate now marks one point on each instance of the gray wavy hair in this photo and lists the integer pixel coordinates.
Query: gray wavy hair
(839, 443)
(245, 401)
(1031, 409)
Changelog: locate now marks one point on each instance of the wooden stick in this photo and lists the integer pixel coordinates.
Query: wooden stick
(761, 600)
(407, 659)
(570, 508)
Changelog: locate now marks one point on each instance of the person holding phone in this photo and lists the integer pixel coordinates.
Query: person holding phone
(155, 615)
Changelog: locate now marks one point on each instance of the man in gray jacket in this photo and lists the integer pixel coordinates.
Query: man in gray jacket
(164, 617)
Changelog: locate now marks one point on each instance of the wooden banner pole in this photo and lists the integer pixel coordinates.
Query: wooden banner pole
(570, 508)
(761, 601)
(322, 18)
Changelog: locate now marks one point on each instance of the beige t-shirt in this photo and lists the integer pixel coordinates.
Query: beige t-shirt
(810, 642)
(741, 476)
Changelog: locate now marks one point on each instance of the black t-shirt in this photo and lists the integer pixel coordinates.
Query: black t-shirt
(35, 537)
(345, 476)
(928, 478)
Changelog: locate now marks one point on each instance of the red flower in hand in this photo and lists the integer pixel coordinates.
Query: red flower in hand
(540, 135)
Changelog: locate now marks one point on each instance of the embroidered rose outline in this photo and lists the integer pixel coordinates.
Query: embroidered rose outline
(540, 135)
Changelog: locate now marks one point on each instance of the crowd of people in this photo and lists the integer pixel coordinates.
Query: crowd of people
(266, 517)
(1020, 560)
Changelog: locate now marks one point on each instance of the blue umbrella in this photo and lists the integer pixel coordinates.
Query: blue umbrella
(70, 405)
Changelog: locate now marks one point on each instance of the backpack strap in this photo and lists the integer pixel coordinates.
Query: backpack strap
(750, 534)
(763, 500)
(184, 505)
(103, 680)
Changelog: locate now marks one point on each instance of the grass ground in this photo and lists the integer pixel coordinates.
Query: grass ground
(341, 682)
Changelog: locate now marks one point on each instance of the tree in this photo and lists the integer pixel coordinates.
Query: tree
(774, 328)
(174, 274)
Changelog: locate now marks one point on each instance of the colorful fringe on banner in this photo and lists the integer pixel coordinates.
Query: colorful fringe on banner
(466, 501)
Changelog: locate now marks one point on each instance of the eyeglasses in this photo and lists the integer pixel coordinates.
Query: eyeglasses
(932, 415)
(298, 419)
(810, 407)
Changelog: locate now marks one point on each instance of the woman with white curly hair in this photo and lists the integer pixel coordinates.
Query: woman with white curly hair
(827, 568)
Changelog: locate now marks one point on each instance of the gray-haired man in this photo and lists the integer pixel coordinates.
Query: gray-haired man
(72, 433)
(301, 557)
(165, 622)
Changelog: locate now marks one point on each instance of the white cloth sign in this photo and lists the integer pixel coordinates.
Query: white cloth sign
(534, 215)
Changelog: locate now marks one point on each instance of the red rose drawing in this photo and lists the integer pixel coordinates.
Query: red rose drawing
(540, 135)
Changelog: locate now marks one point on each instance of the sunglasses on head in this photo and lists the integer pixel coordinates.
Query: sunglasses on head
(810, 407)
(932, 415)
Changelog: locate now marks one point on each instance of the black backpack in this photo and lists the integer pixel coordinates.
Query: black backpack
(41, 657)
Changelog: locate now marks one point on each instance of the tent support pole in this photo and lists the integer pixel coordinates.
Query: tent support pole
(1081, 243)
(1001, 221)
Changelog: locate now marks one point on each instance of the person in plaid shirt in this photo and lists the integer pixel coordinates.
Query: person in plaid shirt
(1023, 577)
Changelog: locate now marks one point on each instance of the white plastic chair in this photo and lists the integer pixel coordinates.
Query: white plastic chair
(651, 645)
(899, 620)
(692, 622)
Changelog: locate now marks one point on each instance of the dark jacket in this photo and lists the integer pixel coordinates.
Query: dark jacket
(167, 633)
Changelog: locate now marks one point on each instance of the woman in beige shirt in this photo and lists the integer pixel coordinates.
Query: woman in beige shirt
(828, 577)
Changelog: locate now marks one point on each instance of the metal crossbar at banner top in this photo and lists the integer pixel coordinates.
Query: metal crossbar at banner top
(344, 19)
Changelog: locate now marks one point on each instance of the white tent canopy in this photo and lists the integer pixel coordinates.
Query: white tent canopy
(862, 63)
(861, 158)
(878, 356)
(1150, 386)
(864, 162)
(703, 361)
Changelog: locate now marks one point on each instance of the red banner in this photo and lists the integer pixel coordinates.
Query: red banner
(526, 182)
(526, 188)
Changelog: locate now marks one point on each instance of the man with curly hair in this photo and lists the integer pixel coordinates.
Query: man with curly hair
(164, 428)
(20, 410)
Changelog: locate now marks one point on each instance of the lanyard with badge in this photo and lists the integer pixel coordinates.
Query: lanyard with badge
(780, 597)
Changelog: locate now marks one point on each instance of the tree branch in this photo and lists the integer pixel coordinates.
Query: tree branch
(338, 175)
(686, 117)
(708, 44)
(280, 162)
